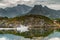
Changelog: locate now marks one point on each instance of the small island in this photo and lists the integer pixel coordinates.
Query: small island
(38, 25)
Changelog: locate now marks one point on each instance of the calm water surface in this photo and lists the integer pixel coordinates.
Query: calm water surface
(53, 36)
(12, 37)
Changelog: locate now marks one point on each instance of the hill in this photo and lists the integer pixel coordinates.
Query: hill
(14, 11)
(40, 10)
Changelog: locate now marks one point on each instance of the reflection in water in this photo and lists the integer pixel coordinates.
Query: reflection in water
(12, 37)
(53, 36)
(22, 28)
(3, 38)
(54, 39)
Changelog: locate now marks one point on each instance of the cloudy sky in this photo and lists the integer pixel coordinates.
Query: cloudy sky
(53, 4)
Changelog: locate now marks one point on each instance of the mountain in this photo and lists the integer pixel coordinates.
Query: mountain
(24, 9)
(40, 10)
(14, 11)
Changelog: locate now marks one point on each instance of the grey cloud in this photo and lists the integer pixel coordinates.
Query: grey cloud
(11, 3)
(1, 0)
(55, 1)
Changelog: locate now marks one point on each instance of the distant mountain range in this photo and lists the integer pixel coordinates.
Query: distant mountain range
(14, 11)
(20, 10)
(40, 10)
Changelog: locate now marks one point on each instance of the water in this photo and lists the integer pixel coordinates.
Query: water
(53, 36)
(21, 28)
(12, 37)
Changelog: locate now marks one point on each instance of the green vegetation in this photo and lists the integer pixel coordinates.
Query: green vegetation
(32, 20)
(57, 20)
(25, 20)
(33, 16)
(28, 34)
